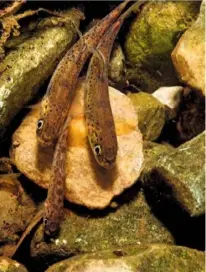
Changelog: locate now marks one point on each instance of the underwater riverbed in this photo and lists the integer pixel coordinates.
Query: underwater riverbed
(102, 142)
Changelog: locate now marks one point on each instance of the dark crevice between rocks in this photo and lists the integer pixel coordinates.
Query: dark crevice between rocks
(37, 194)
(33, 265)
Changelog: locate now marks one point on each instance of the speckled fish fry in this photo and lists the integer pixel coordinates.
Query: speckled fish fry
(55, 197)
(98, 114)
(61, 89)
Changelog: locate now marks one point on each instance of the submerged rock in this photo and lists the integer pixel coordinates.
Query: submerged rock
(171, 97)
(9, 265)
(25, 69)
(117, 65)
(152, 153)
(87, 183)
(16, 211)
(183, 170)
(161, 258)
(151, 114)
(151, 39)
(131, 223)
(191, 120)
(189, 54)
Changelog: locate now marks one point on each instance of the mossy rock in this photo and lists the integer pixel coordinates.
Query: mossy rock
(130, 223)
(153, 258)
(117, 65)
(25, 69)
(151, 39)
(151, 114)
(9, 265)
(152, 153)
(183, 170)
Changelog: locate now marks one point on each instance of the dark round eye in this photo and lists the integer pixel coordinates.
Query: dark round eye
(97, 150)
(45, 221)
(40, 124)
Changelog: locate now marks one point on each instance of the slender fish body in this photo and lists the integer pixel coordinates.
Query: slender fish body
(55, 196)
(98, 114)
(54, 203)
(61, 89)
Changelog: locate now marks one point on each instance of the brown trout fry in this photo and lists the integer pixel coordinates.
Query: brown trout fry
(98, 114)
(60, 93)
(55, 196)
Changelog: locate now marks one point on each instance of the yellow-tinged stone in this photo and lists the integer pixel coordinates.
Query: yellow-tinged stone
(87, 183)
(9, 265)
(189, 54)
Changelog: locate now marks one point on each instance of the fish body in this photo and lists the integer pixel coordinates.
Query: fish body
(55, 196)
(61, 89)
(98, 113)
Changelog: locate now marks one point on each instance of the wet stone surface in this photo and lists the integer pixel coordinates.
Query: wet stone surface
(151, 114)
(162, 258)
(190, 65)
(151, 39)
(131, 222)
(16, 211)
(9, 265)
(183, 170)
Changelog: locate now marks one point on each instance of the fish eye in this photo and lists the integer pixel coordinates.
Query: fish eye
(45, 221)
(40, 124)
(97, 150)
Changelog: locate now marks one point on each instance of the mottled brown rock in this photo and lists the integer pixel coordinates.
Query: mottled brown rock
(152, 258)
(130, 223)
(9, 265)
(16, 211)
(189, 54)
(86, 183)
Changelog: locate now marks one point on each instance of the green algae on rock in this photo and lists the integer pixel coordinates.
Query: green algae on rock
(117, 65)
(151, 114)
(9, 265)
(183, 170)
(189, 54)
(25, 69)
(16, 211)
(151, 39)
(130, 224)
(152, 153)
(153, 258)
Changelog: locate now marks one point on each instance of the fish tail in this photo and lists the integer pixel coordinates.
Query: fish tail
(127, 13)
(112, 16)
(112, 32)
(135, 6)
